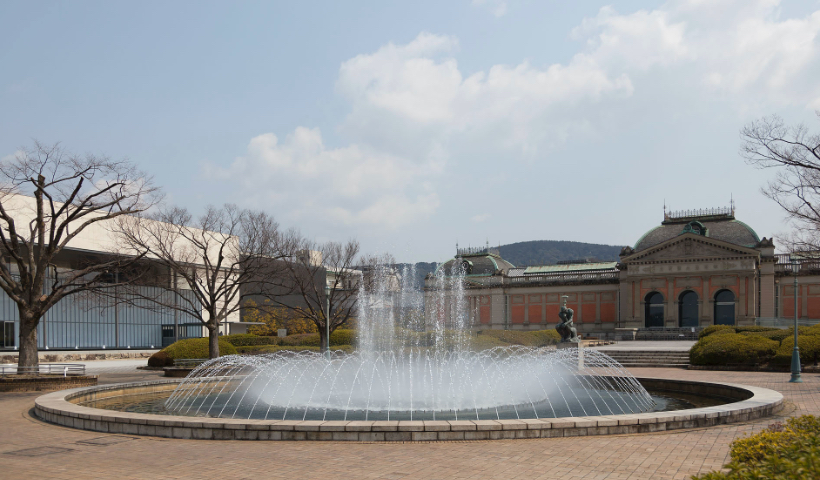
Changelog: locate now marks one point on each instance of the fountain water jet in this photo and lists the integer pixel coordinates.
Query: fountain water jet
(400, 372)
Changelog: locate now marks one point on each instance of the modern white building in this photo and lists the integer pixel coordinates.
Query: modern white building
(79, 322)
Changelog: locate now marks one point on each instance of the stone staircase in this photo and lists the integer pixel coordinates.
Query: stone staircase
(650, 358)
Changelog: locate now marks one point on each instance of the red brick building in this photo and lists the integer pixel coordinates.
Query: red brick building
(694, 270)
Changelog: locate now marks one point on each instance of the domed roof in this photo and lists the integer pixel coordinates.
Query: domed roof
(484, 263)
(718, 226)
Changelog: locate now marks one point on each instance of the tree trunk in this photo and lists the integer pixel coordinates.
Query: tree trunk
(324, 343)
(28, 342)
(213, 341)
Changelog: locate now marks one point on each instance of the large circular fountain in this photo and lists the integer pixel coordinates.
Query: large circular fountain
(414, 376)
(427, 371)
(502, 383)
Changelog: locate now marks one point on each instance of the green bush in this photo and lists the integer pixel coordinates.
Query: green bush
(160, 359)
(343, 336)
(301, 340)
(536, 338)
(196, 348)
(813, 330)
(715, 329)
(780, 334)
(755, 329)
(809, 346)
(732, 349)
(260, 349)
(780, 452)
(484, 342)
(246, 339)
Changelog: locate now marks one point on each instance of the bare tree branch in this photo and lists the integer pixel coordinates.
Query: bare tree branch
(214, 257)
(48, 197)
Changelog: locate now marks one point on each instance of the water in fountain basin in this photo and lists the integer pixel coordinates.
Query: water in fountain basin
(402, 372)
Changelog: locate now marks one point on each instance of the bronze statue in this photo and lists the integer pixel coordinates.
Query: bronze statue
(566, 328)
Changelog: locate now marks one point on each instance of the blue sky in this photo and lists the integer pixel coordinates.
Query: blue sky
(413, 125)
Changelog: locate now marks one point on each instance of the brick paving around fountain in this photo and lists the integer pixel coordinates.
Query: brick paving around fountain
(31, 448)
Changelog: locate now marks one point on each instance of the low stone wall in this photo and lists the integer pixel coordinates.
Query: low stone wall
(44, 383)
(754, 402)
(69, 356)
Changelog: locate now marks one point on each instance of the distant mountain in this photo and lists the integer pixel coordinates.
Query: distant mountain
(546, 252)
(536, 252)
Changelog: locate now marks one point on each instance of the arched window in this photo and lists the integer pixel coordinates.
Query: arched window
(653, 310)
(725, 308)
(688, 309)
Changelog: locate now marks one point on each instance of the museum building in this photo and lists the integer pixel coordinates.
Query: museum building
(696, 269)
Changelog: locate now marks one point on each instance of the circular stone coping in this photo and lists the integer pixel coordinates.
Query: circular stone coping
(57, 407)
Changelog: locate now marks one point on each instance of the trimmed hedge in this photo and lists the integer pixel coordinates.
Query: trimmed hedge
(536, 338)
(715, 329)
(246, 339)
(809, 346)
(732, 349)
(195, 348)
(485, 342)
(755, 328)
(338, 337)
(780, 334)
(260, 349)
(780, 452)
(160, 359)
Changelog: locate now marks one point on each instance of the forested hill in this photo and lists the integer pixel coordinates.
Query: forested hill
(546, 252)
(537, 252)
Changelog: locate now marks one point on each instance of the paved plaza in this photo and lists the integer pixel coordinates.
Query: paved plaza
(30, 448)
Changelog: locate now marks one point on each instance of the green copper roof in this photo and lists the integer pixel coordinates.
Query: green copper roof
(572, 267)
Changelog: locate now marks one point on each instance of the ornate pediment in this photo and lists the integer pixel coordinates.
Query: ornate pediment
(690, 247)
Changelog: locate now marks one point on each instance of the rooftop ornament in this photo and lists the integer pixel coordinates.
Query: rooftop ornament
(705, 212)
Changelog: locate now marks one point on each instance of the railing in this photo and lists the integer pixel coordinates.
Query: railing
(784, 322)
(567, 277)
(64, 369)
(472, 250)
(803, 265)
(700, 212)
(589, 276)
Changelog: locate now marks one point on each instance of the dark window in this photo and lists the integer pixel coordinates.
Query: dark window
(6, 334)
(688, 309)
(725, 308)
(654, 310)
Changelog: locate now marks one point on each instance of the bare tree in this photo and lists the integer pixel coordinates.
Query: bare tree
(70, 194)
(795, 153)
(217, 257)
(322, 278)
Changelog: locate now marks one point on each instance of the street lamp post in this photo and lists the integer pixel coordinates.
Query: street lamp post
(796, 351)
(327, 320)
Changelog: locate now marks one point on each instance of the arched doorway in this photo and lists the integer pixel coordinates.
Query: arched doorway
(653, 310)
(688, 309)
(725, 308)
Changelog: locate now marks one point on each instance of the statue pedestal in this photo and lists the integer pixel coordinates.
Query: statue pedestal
(576, 346)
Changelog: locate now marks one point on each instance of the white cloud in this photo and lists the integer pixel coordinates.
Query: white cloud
(416, 94)
(480, 218)
(350, 185)
(416, 120)
(738, 48)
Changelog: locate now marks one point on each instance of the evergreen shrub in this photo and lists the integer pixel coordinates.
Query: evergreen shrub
(260, 349)
(809, 346)
(715, 329)
(196, 348)
(780, 452)
(247, 339)
(732, 349)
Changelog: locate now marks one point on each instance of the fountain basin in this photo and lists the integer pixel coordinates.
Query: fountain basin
(62, 408)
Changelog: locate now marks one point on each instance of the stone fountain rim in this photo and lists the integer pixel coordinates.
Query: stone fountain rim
(57, 408)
